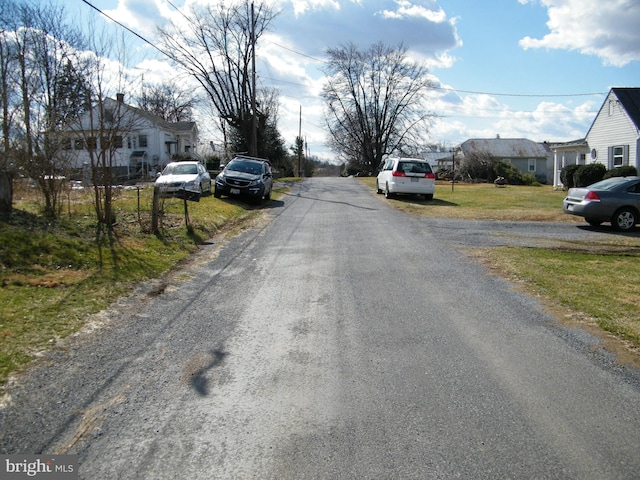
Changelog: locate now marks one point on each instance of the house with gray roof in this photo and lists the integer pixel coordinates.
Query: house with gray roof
(526, 155)
(139, 142)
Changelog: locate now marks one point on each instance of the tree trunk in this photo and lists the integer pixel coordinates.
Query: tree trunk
(6, 193)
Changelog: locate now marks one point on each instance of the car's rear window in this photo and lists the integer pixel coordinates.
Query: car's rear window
(414, 167)
(185, 169)
(607, 184)
(243, 166)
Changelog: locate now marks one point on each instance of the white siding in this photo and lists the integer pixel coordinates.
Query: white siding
(612, 128)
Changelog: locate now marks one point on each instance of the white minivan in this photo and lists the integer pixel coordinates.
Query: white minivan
(406, 175)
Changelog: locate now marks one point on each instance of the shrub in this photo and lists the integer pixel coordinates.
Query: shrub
(566, 175)
(626, 171)
(531, 180)
(511, 174)
(589, 174)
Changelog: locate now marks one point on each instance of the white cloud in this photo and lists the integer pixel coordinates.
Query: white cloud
(464, 116)
(608, 30)
(142, 16)
(406, 9)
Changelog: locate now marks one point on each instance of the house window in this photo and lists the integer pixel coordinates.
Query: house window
(117, 141)
(78, 144)
(92, 143)
(532, 165)
(142, 141)
(66, 144)
(618, 156)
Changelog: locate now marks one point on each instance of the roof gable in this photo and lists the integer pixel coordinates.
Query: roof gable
(630, 100)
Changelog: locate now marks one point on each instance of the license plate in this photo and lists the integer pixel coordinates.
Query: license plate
(235, 191)
(414, 179)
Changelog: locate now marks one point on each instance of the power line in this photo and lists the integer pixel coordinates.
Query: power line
(534, 95)
(127, 28)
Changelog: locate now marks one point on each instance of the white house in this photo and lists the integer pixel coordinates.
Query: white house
(613, 138)
(141, 143)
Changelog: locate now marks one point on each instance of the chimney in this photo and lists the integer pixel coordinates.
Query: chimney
(120, 97)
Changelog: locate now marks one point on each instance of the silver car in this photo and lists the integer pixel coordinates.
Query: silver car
(615, 200)
(184, 177)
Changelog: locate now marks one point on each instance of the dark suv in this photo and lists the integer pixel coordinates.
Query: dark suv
(245, 176)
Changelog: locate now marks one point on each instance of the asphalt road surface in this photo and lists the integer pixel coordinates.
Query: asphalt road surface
(337, 339)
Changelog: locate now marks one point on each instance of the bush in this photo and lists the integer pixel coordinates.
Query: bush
(589, 174)
(566, 175)
(511, 174)
(626, 171)
(531, 180)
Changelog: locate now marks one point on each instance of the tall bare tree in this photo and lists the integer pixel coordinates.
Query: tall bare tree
(168, 101)
(41, 47)
(8, 96)
(375, 102)
(216, 46)
(103, 128)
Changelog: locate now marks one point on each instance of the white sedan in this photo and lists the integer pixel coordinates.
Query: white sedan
(184, 177)
(406, 175)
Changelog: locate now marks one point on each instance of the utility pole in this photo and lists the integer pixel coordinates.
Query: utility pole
(253, 148)
(300, 146)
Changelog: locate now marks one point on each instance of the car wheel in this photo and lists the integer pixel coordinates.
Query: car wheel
(593, 222)
(216, 193)
(624, 219)
(428, 196)
(378, 189)
(387, 193)
(267, 196)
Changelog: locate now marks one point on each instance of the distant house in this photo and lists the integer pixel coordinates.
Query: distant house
(612, 140)
(438, 159)
(526, 155)
(567, 153)
(141, 143)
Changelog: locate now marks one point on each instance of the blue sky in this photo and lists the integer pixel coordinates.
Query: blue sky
(536, 69)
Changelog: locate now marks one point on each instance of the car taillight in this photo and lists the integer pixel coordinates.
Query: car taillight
(398, 173)
(430, 175)
(593, 196)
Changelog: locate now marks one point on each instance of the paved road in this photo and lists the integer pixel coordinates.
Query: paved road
(338, 339)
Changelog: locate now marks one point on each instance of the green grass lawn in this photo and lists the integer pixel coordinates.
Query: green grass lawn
(482, 201)
(54, 273)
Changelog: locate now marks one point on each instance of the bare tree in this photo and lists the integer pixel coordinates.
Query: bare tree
(168, 101)
(103, 128)
(375, 102)
(42, 48)
(216, 47)
(7, 100)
